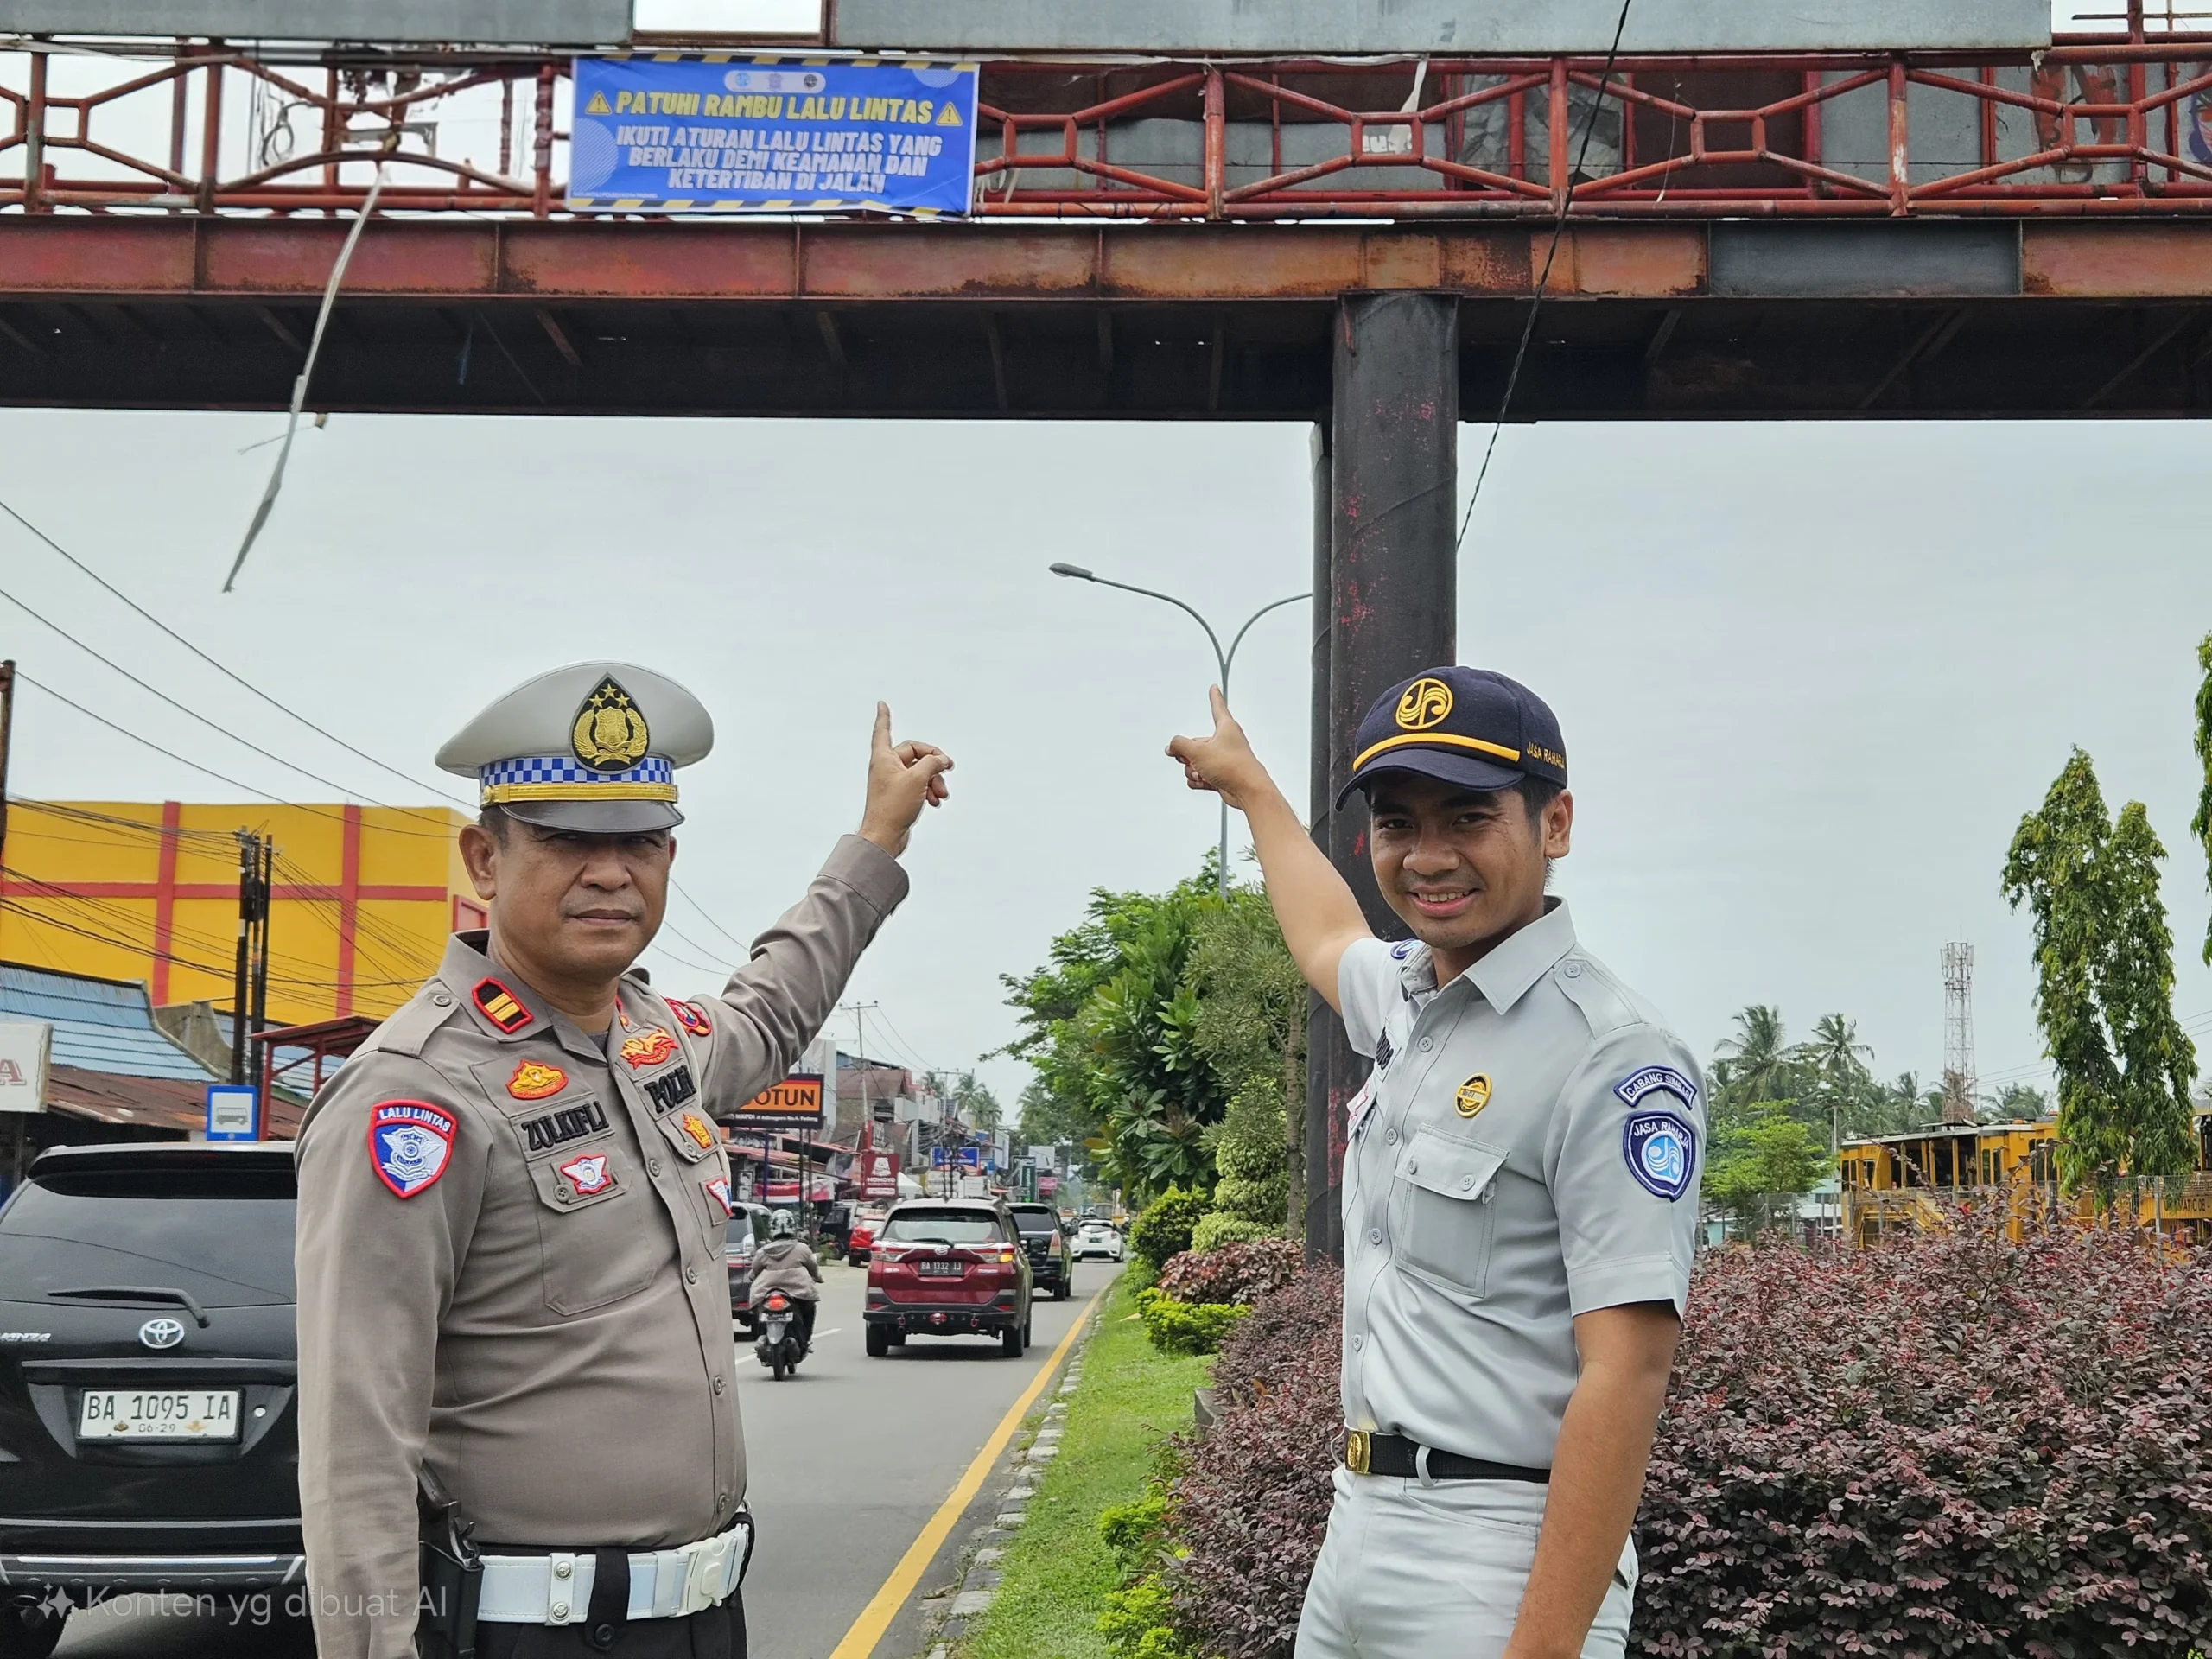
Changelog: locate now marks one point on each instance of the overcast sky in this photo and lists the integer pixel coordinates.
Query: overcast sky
(1810, 675)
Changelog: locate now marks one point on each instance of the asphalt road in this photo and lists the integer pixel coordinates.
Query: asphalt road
(850, 1457)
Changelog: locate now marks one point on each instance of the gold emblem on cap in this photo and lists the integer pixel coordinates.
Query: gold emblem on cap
(1472, 1095)
(1425, 703)
(610, 733)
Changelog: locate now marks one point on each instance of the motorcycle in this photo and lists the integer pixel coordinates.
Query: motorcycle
(782, 1343)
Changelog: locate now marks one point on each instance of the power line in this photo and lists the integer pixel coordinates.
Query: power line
(221, 777)
(742, 947)
(1536, 301)
(227, 673)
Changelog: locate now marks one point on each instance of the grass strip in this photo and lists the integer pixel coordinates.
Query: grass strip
(1057, 1570)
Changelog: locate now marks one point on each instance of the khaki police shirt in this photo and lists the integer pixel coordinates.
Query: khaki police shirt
(544, 1320)
(1527, 1149)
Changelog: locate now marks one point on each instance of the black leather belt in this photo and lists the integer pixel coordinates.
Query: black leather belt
(1393, 1454)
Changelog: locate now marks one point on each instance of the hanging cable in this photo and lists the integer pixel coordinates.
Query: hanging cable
(1543, 281)
(315, 346)
(225, 672)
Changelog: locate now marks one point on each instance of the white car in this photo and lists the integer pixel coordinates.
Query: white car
(1097, 1238)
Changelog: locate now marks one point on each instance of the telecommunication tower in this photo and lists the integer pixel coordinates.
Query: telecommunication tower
(1958, 1033)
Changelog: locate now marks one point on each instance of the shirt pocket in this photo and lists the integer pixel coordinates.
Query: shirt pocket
(1445, 1225)
(593, 1249)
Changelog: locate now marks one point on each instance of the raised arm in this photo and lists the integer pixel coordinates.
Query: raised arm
(1320, 917)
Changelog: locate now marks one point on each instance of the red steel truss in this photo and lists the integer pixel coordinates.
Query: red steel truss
(2095, 126)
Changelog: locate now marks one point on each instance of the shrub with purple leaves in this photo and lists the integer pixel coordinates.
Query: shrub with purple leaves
(1252, 1499)
(1235, 1272)
(1954, 1445)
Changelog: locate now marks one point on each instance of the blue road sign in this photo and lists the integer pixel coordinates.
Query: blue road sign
(703, 133)
(231, 1114)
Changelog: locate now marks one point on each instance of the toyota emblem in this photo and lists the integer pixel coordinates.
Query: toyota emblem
(161, 1333)
(939, 1250)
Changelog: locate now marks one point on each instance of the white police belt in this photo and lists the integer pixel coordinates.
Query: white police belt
(556, 1589)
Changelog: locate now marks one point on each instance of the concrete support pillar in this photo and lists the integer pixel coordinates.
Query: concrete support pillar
(1392, 581)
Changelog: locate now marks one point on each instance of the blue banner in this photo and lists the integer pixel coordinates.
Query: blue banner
(671, 132)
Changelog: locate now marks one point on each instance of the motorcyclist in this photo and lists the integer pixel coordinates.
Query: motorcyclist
(786, 1263)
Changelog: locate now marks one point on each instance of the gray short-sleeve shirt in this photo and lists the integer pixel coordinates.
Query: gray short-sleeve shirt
(1527, 1149)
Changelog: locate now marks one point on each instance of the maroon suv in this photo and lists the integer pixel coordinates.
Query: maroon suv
(948, 1267)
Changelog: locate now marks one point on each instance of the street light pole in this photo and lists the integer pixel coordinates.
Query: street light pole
(1224, 660)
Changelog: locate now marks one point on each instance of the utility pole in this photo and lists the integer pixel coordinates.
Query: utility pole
(264, 885)
(18, 1130)
(249, 969)
(249, 862)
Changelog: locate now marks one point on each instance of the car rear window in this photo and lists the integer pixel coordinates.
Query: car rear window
(1036, 1221)
(225, 1238)
(942, 1227)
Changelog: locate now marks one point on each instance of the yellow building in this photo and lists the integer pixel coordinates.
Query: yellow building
(363, 898)
(1913, 1181)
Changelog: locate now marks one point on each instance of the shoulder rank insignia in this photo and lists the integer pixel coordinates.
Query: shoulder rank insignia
(690, 1016)
(535, 1081)
(1662, 1079)
(589, 1173)
(1471, 1096)
(410, 1143)
(648, 1048)
(701, 1131)
(610, 734)
(1660, 1151)
(499, 1004)
(718, 1190)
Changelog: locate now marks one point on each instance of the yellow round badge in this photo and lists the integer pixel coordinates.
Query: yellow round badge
(1472, 1095)
(1425, 704)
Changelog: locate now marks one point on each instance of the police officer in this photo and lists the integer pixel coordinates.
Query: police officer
(1520, 1187)
(512, 1201)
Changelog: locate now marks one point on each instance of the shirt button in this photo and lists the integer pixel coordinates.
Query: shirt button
(1374, 1235)
(1574, 970)
(1391, 1136)
(439, 1000)
(1427, 1043)
(1359, 1343)
(718, 1385)
(690, 1275)
(1466, 1183)
(652, 1167)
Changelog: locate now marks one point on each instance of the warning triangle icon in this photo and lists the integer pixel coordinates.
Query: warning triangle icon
(949, 116)
(598, 106)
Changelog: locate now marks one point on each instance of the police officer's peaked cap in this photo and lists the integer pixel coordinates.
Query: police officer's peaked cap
(1466, 725)
(592, 748)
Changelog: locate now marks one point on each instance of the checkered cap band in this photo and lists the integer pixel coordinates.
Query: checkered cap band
(551, 777)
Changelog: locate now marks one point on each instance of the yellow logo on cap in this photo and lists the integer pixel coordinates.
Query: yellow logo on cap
(1425, 703)
(610, 733)
(1472, 1095)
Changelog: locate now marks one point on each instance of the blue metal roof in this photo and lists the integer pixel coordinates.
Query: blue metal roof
(98, 1023)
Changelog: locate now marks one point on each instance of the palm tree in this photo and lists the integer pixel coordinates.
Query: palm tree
(1755, 1063)
(1837, 1060)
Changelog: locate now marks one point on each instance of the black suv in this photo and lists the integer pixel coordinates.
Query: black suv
(148, 1364)
(1050, 1264)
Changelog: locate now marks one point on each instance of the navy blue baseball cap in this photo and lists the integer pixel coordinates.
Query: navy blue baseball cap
(1466, 725)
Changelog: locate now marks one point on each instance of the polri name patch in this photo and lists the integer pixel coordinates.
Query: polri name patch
(1660, 1151)
(410, 1143)
(1659, 1079)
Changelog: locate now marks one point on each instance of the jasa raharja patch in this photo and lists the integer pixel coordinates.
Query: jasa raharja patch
(610, 734)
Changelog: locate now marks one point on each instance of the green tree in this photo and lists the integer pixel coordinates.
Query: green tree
(2019, 1102)
(1760, 1166)
(971, 1100)
(1755, 1063)
(1251, 1029)
(1833, 1065)
(2201, 825)
(2104, 984)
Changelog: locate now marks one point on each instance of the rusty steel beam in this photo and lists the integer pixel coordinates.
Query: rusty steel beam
(74, 260)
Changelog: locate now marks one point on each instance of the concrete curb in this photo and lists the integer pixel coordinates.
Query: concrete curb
(948, 1611)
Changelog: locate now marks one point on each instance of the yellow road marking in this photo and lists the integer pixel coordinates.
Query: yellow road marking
(875, 1618)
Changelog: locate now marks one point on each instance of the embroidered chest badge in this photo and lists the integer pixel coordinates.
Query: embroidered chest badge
(1471, 1096)
(535, 1081)
(1660, 1151)
(648, 1048)
(690, 1016)
(500, 1005)
(698, 1128)
(718, 1190)
(410, 1143)
(589, 1174)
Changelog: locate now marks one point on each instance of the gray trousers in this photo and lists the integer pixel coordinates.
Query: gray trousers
(1408, 1571)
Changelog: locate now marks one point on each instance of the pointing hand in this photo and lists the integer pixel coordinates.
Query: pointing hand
(901, 780)
(1224, 763)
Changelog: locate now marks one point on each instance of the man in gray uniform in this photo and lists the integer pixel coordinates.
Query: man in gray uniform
(1519, 1192)
(512, 1201)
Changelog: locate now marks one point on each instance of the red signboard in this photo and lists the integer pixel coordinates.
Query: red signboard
(879, 1174)
(819, 1190)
